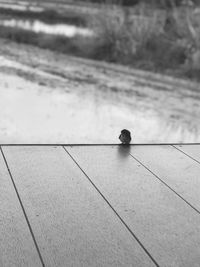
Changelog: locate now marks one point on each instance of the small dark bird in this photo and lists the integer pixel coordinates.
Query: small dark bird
(125, 137)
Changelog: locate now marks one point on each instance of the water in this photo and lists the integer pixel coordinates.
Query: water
(41, 27)
(33, 115)
(22, 7)
(79, 113)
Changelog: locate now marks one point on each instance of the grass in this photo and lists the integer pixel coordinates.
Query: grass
(145, 38)
(59, 43)
(77, 46)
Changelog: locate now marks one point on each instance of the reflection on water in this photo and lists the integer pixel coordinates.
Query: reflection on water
(29, 114)
(24, 6)
(41, 27)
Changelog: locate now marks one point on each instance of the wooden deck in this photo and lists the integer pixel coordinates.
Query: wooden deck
(100, 206)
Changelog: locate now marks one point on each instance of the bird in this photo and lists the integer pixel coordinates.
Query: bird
(125, 137)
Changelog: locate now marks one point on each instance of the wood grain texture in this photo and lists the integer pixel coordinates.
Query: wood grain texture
(72, 223)
(180, 172)
(166, 225)
(17, 248)
(191, 150)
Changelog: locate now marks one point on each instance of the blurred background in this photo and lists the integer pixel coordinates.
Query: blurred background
(81, 71)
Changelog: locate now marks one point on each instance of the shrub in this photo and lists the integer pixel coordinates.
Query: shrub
(120, 34)
(187, 25)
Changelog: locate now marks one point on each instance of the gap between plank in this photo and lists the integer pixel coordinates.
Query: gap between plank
(23, 209)
(185, 154)
(116, 213)
(157, 177)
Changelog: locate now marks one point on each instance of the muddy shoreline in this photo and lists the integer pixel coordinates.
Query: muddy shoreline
(110, 100)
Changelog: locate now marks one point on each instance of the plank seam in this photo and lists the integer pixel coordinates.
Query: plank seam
(185, 154)
(23, 209)
(157, 177)
(116, 213)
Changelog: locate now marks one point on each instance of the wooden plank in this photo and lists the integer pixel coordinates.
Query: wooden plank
(177, 170)
(191, 150)
(16, 244)
(166, 225)
(74, 226)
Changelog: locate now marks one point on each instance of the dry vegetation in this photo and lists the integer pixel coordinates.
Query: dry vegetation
(153, 39)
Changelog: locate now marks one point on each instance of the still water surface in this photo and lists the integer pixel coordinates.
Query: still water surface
(41, 27)
(22, 6)
(30, 114)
